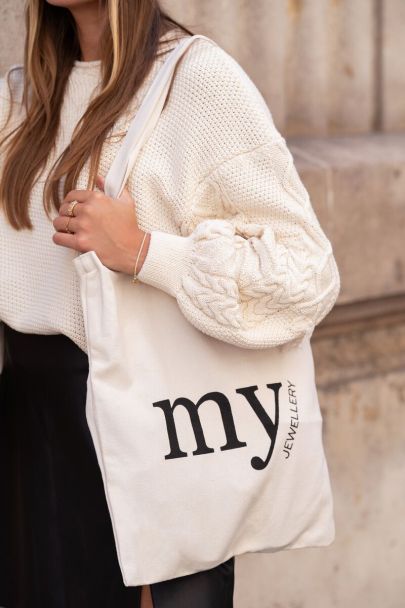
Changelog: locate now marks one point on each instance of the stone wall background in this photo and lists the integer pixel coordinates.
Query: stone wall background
(333, 74)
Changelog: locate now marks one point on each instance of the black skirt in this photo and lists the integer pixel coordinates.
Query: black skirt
(57, 546)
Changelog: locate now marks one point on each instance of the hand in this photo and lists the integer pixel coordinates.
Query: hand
(105, 225)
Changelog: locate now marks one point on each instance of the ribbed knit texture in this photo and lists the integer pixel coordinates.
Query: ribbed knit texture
(234, 236)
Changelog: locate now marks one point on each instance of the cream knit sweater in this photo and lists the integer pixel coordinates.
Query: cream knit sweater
(234, 236)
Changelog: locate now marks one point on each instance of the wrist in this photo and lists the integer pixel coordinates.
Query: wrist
(143, 253)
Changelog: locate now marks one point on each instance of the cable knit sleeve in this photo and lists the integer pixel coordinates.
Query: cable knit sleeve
(251, 264)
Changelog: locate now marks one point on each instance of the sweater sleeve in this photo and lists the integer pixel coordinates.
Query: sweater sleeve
(251, 265)
(13, 77)
(4, 102)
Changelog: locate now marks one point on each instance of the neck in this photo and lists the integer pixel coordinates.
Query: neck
(89, 18)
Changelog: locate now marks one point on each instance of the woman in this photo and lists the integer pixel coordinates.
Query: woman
(214, 213)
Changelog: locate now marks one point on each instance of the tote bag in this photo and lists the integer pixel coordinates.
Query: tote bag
(207, 450)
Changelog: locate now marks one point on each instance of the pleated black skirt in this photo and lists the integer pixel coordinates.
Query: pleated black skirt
(57, 546)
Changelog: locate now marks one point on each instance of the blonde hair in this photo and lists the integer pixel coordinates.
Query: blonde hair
(129, 45)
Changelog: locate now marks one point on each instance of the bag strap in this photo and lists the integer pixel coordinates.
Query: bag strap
(144, 120)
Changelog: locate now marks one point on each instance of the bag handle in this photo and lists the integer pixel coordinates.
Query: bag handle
(144, 120)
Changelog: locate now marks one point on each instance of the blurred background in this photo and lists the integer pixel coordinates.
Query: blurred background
(333, 75)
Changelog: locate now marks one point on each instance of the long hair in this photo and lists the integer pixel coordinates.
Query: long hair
(129, 45)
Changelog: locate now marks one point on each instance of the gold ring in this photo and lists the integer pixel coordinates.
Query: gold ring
(67, 225)
(71, 207)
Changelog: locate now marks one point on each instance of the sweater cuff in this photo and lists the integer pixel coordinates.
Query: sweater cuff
(167, 260)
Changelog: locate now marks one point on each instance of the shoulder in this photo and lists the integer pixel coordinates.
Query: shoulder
(216, 104)
(209, 69)
(208, 56)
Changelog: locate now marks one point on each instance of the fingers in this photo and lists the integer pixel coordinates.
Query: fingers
(64, 209)
(125, 194)
(85, 200)
(78, 195)
(84, 195)
(67, 240)
(61, 221)
(76, 240)
(99, 181)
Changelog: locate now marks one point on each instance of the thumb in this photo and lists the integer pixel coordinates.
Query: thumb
(125, 194)
(99, 182)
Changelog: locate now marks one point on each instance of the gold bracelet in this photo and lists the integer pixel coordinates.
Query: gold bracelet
(135, 278)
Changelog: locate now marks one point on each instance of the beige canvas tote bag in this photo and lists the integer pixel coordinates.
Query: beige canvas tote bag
(207, 450)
